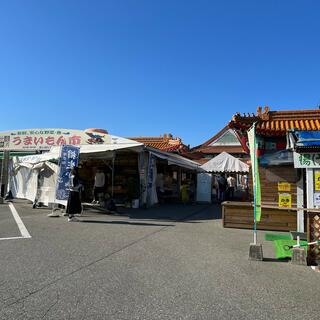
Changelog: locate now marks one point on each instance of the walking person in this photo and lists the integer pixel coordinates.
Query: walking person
(99, 183)
(222, 183)
(231, 187)
(74, 203)
(215, 189)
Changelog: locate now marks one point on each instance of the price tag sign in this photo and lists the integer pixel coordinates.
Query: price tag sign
(284, 200)
(317, 180)
(284, 186)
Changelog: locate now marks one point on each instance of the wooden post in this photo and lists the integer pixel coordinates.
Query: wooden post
(300, 204)
(310, 183)
(308, 227)
(4, 173)
(309, 180)
(179, 177)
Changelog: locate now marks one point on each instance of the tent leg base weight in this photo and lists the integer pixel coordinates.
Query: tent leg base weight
(255, 252)
(299, 257)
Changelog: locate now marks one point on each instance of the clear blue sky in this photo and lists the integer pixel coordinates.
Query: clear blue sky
(149, 67)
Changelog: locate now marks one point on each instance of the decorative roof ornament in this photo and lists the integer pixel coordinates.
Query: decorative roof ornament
(236, 116)
(259, 111)
(263, 115)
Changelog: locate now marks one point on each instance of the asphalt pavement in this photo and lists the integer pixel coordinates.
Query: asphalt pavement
(168, 262)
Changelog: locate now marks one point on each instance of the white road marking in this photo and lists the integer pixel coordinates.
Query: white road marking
(21, 226)
(12, 238)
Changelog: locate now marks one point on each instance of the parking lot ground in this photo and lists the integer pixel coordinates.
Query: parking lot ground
(168, 262)
(8, 226)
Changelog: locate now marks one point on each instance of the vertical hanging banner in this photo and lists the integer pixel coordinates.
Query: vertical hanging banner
(142, 175)
(255, 172)
(150, 178)
(69, 158)
(151, 164)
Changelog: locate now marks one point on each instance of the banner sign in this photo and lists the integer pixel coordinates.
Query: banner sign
(284, 186)
(69, 158)
(151, 167)
(142, 174)
(44, 139)
(255, 172)
(306, 160)
(150, 177)
(284, 200)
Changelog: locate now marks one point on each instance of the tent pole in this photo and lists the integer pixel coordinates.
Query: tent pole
(4, 174)
(112, 178)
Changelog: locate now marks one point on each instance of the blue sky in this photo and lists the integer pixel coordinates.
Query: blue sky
(149, 67)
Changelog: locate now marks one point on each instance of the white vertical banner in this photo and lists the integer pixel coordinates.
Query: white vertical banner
(152, 197)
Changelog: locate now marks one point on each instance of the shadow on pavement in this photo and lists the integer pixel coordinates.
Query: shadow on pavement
(128, 222)
(181, 213)
(189, 213)
(276, 260)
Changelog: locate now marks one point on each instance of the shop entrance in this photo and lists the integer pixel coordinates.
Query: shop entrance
(121, 179)
(174, 183)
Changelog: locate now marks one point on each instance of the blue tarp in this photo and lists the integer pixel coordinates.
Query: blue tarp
(307, 138)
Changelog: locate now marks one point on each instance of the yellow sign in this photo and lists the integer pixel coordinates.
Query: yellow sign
(284, 200)
(284, 186)
(317, 180)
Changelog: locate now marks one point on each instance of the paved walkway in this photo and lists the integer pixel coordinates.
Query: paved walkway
(172, 262)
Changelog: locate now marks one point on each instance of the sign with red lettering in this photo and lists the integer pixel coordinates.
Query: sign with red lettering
(44, 139)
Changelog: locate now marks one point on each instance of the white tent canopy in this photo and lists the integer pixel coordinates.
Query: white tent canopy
(28, 170)
(105, 150)
(225, 162)
(117, 143)
(175, 159)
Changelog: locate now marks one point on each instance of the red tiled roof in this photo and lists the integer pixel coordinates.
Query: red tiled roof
(164, 143)
(202, 160)
(277, 122)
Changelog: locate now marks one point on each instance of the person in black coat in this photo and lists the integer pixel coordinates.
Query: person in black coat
(74, 203)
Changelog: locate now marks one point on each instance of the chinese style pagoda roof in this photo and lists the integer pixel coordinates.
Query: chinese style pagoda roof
(225, 140)
(277, 123)
(164, 143)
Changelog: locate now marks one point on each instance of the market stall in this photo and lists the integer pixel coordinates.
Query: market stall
(281, 183)
(170, 177)
(26, 174)
(306, 156)
(130, 169)
(222, 164)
